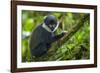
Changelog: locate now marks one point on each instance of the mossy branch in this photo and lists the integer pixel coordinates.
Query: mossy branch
(72, 31)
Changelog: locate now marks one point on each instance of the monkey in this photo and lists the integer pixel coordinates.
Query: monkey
(43, 36)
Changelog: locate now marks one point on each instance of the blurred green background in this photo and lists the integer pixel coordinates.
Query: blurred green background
(77, 47)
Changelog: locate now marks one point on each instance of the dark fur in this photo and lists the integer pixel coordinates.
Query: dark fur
(41, 41)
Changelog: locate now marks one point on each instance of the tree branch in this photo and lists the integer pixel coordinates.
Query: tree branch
(72, 31)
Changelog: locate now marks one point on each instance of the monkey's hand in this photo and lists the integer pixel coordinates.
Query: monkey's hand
(64, 32)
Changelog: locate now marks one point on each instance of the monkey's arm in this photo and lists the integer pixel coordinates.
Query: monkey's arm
(56, 37)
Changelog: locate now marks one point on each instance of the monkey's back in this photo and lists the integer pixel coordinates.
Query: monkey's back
(38, 36)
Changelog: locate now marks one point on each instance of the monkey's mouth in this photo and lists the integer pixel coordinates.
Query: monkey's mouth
(53, 27)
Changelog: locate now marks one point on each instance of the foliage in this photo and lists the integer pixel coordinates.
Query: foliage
(76, 47)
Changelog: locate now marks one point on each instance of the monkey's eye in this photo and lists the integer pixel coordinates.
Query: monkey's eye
(52, 25)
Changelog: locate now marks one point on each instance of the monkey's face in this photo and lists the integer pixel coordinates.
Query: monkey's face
(52, 26)
(51, 22)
